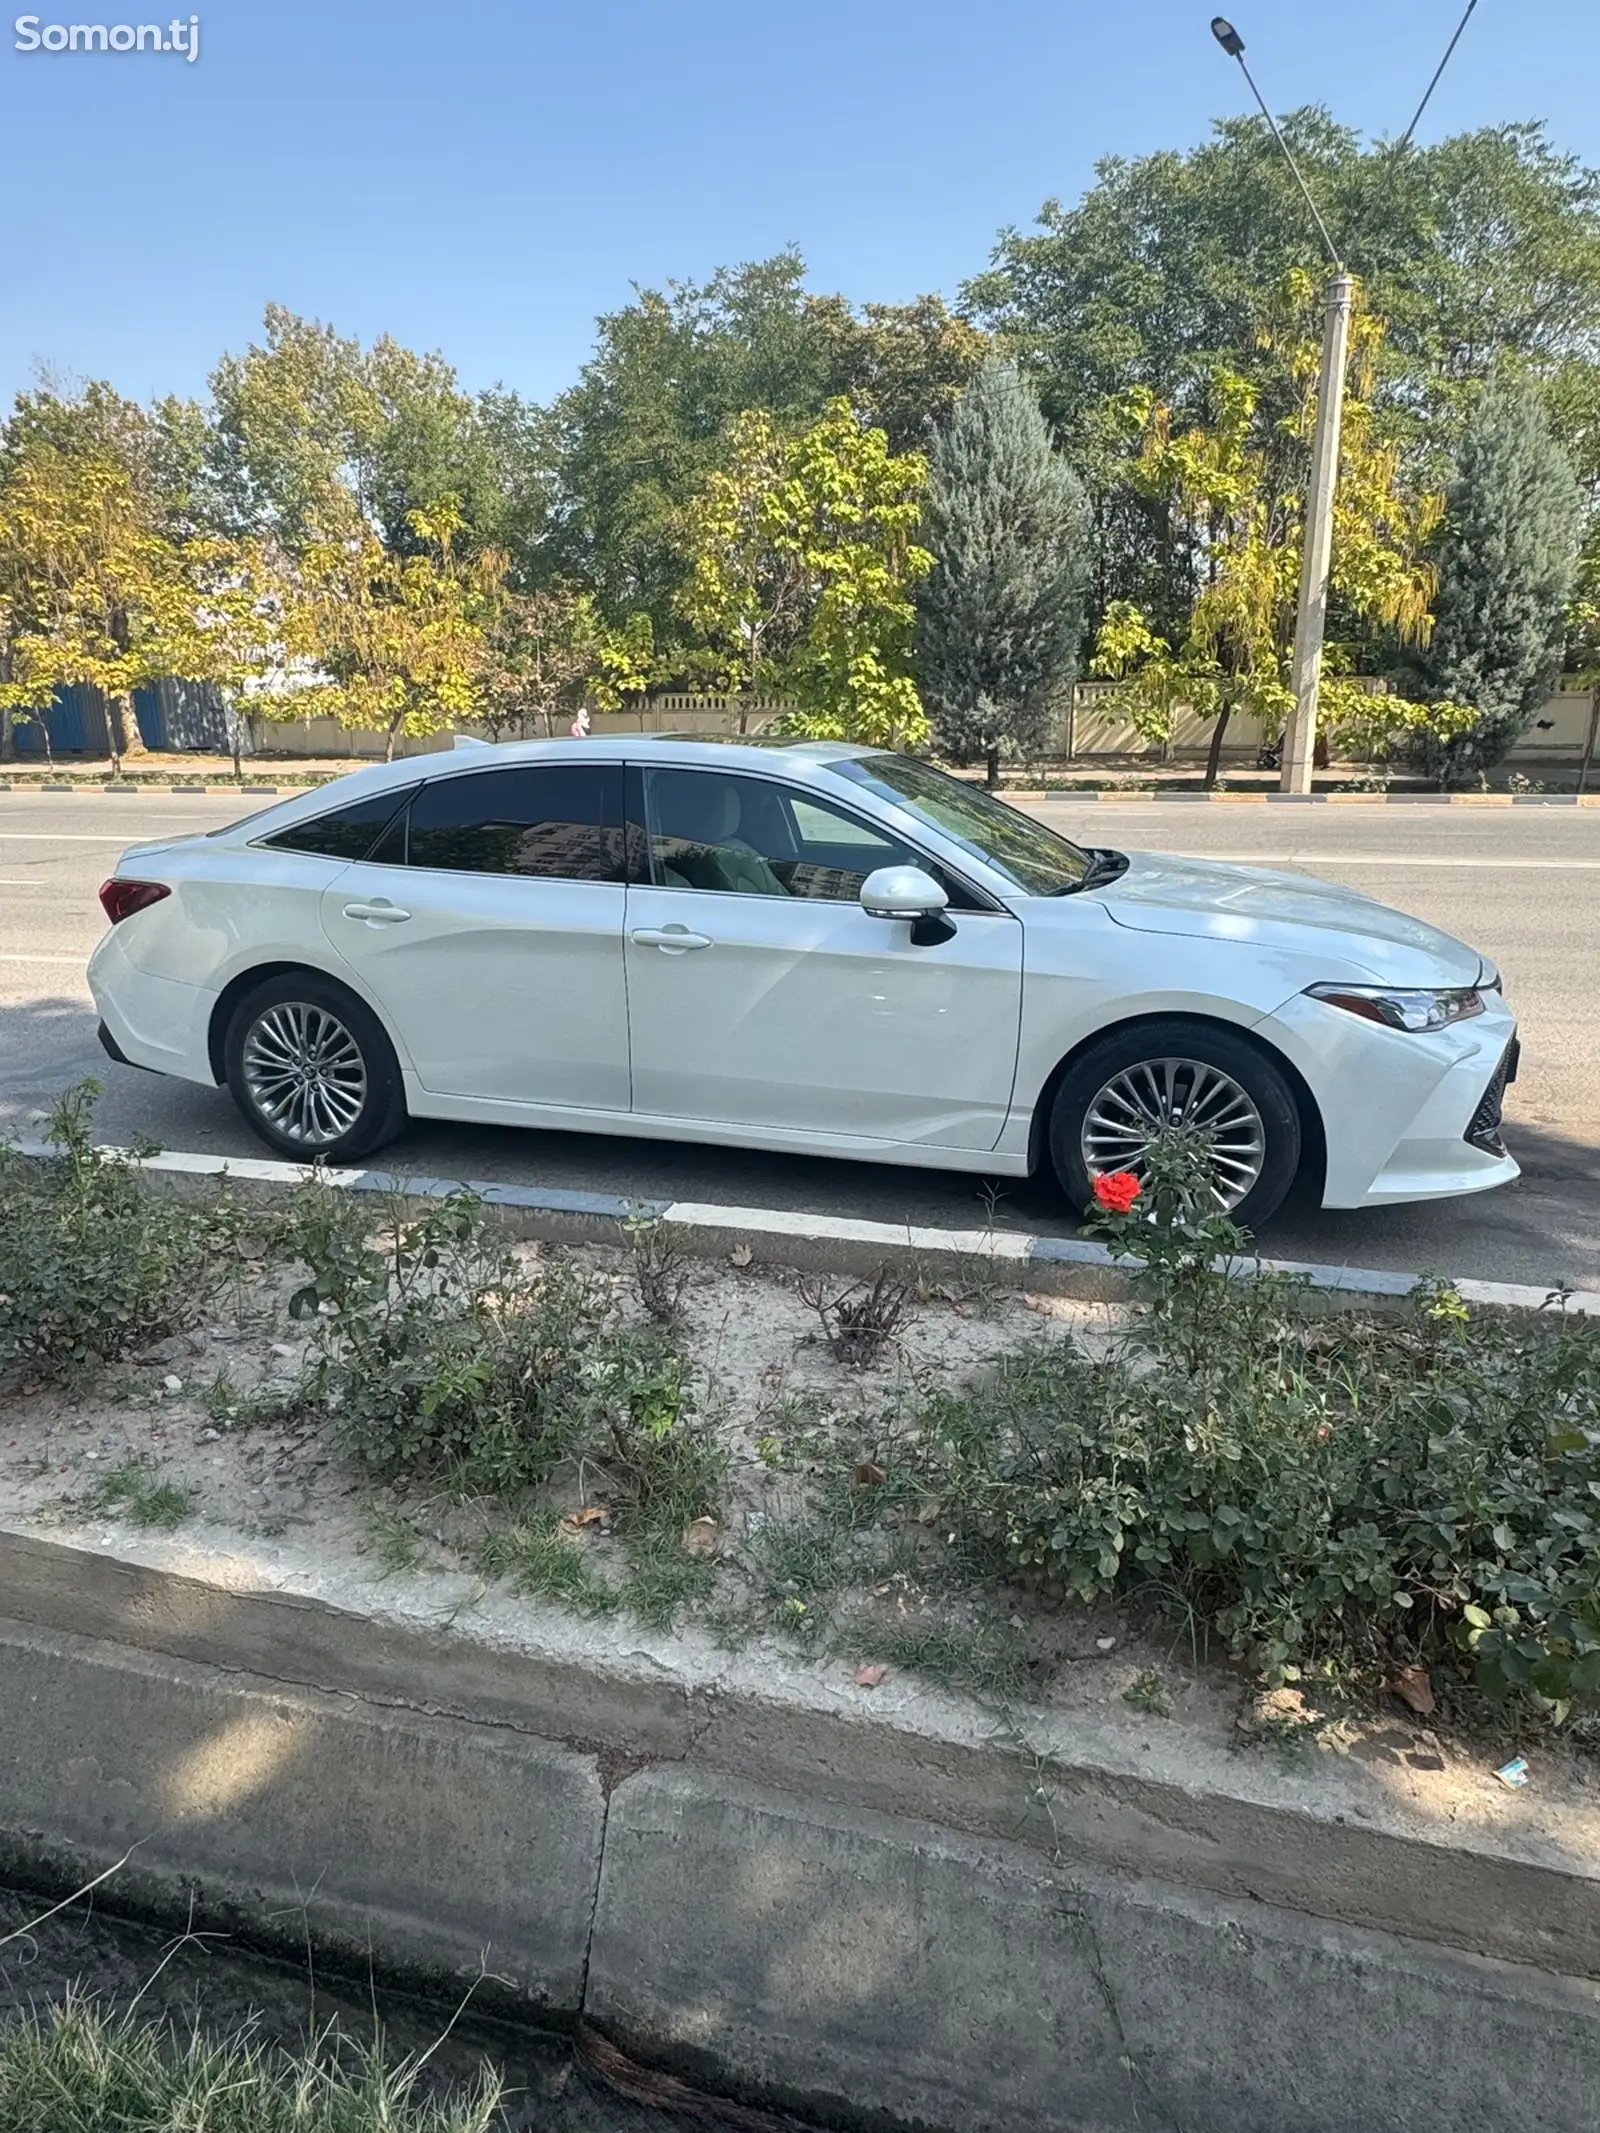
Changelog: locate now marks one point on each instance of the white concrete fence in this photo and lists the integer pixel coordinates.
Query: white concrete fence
(1093, 730)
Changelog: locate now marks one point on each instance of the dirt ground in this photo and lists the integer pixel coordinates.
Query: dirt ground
(169, 1441)
(181, 1411)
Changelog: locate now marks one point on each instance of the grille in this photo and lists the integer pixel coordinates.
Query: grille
(1484, 1131)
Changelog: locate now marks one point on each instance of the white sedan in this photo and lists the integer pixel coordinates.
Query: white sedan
(814, 948)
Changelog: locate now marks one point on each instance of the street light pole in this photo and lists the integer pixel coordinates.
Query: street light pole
(1311, 618)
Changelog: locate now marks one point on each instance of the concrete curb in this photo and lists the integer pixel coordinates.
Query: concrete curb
(1074, 1266)
(855, 1908)
(1112, 794)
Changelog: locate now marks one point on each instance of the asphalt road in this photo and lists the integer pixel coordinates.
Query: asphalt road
(1523, 884)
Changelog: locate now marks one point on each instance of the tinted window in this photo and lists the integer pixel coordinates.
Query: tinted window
(348, 832)
(555, 821)
(754, 837)
(1032, 857)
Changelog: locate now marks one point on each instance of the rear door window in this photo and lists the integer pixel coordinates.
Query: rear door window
(546, 821)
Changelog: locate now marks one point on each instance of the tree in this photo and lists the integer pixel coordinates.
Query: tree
(802, 570)
(903, 367)
(1507, 569)
(1234, 493)
(1477, 250)
(309, 413)
(654, 412)
(541, 649)
(94, 594)
(1000, 616)
(749, 591)
(256, 633)
(627, 663)
(401, 638)
(648, 420)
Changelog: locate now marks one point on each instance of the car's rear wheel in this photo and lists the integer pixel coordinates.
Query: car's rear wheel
(1121, 1094)
(312, 1070)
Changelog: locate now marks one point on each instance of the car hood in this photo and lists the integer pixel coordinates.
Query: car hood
(1258, 906)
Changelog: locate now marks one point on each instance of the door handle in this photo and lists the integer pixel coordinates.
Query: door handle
(673, 939)
(381, 913)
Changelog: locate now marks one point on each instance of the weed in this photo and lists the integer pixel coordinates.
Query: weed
(659, 1272)
(984, 1660)
(804, 1558)
(74, 2067)
(1147, 1692)
(231, 1406)
(393, 1539)
(134, 1489)
(1289, 1738)
(664, 1579)
(664, 1457)
(547, 1563)
(858, 1323)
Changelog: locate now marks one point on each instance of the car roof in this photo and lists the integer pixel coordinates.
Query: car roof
(725, 752)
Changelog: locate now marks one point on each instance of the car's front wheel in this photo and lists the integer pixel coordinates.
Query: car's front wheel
(1129, 1087)
(312, 1070)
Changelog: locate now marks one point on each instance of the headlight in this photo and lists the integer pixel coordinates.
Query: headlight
(1417, 1011)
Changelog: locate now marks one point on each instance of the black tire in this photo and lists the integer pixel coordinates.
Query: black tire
(1198, 1046)
(359, 1102)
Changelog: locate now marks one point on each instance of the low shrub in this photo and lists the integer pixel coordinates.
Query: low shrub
(1311, 1487)
(94, 1265)
(436, 1351)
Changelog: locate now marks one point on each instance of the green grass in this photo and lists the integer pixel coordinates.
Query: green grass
(983, 1660)
(393, 1540)
(135, 1490)
(75, 2069)
(547, 1564)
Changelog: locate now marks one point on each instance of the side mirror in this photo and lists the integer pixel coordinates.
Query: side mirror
(908, 893)
(902, 892)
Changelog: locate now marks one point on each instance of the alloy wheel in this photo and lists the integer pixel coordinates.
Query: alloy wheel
(1138, 1105)
(305, 1073)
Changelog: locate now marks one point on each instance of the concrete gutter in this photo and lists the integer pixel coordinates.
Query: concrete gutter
(861, 1905)
(1071, 1266)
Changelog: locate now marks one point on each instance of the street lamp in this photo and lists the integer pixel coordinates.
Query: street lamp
(1311, 618)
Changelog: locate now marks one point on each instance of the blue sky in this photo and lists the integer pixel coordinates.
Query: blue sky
(484, 177)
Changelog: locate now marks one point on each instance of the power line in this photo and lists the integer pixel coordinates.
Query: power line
(1404, 141)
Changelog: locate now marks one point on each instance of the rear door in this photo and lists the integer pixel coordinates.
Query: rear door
(487, 924)
(761, 994)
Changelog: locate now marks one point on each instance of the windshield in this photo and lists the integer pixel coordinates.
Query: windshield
(1032, 858)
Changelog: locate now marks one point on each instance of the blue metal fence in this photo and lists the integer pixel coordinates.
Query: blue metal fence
(177, 715)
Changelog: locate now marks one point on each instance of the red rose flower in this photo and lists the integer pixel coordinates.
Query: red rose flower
(1117, 1191)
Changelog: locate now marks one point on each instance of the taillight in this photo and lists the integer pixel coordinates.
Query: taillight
(120, 899)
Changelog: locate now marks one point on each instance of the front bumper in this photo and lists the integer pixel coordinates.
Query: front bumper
(1405, 1117)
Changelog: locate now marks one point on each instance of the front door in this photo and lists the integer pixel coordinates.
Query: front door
(487, 924)
(762, 995)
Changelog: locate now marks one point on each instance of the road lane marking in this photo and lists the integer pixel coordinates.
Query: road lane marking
(68, 837)
(1381, 859)
(77, 961)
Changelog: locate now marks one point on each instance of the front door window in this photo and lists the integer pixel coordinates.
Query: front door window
(749, 836)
